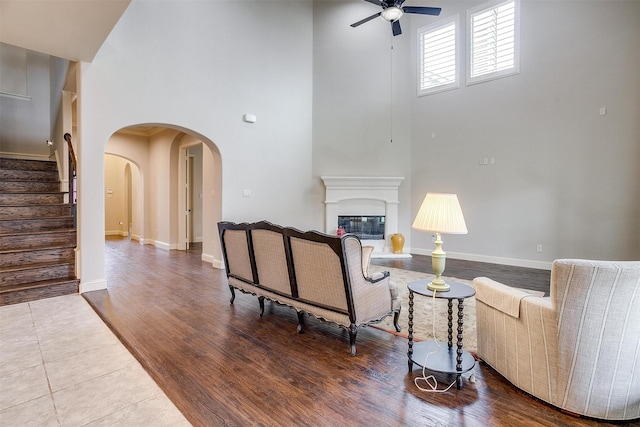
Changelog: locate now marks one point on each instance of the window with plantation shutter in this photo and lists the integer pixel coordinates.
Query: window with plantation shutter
(438, 57)
(493, 45)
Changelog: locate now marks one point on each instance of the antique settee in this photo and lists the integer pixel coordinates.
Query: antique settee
(312, 272)
(579, 348)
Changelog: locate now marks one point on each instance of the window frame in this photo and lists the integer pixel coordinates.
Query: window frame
(452, 20)
(485, 7)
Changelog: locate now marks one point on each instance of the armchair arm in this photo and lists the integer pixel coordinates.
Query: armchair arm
(517, 336)
(500, 297)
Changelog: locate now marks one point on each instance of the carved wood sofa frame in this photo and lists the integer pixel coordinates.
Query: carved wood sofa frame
(312, 272)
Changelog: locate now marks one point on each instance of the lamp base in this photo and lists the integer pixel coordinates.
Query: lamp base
(438, 287)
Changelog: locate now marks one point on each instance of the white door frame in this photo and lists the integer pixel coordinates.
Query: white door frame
(185, 193)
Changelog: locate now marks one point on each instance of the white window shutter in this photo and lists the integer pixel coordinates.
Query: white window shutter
(493, 41)
(438, 57)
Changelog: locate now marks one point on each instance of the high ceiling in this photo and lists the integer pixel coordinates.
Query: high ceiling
(69, 29)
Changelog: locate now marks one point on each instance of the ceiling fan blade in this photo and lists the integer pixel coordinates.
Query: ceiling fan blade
(376, 2)
(422, 10)
(366, 19)
(395, 27)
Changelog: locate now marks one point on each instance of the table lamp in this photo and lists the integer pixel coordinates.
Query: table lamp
(440, 213)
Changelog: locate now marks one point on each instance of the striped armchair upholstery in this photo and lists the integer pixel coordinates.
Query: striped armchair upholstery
(579, 348)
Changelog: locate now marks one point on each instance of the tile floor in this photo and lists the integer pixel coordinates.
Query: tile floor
(60, 365)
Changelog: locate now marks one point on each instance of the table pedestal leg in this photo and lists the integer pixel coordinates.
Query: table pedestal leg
(410, 336)
(459, 342)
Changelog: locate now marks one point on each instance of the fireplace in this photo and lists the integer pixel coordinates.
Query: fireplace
(364, 197)
(365, 227)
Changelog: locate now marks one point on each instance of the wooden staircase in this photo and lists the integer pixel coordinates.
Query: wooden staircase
(37, 233)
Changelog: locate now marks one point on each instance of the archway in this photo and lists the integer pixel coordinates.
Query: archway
(157, 149)
(124, 207)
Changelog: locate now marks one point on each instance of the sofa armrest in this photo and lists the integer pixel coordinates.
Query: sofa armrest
(378, 276)
(372, 299)
(367, 251)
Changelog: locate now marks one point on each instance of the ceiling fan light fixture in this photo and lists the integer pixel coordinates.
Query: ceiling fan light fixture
(392, 13)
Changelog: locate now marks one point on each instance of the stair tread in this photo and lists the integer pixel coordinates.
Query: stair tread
(16, 193)
(32, 205)
(23, 233)
(37, 249)
(30, 180)
(36, 265)
(38, 218)
(36, 285)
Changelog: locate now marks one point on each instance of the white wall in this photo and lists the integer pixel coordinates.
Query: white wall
(178, 63)
(25, 124)
(361, 94)
(565, 177)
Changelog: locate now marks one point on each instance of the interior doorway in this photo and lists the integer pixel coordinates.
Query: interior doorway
(129, 199)
(176, 193)
(190, 198)
(123, 198)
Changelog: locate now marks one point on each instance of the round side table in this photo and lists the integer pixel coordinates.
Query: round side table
(442, 357)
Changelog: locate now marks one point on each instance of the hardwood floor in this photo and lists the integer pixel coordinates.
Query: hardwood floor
(223, 364)
(519, 277)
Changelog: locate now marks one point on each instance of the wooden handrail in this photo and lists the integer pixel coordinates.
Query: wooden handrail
(72, 154)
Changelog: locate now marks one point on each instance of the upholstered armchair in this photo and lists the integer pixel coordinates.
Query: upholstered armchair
(579, 348)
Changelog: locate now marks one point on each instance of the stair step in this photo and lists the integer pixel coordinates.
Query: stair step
(37, 290)
(28, 175)
(22, 199)
(22, 257)
(37, 233)
(23, 164)
(38, 240)
(37, 211)
(21, 275)
(29, 186)
(31, 225)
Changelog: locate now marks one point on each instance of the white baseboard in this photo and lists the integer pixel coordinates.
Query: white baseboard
(116, 233)
(24, 156)
(216, 263)
(541, 265)
(389, 255)
(95, 285)
(160, 245)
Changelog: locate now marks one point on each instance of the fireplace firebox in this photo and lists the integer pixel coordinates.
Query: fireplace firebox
(365, 227)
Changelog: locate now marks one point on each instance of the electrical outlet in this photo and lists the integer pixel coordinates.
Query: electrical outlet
(539, 248)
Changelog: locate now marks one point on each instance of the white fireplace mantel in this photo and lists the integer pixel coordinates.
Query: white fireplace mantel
(373, 188)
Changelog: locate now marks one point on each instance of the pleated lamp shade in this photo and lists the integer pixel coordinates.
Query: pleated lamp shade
(440, 213)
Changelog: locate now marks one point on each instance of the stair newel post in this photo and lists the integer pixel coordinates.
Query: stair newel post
(72, 177)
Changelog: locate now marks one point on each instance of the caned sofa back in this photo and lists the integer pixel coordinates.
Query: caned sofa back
(308, 266)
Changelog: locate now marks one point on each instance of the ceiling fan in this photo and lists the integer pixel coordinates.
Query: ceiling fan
(392, 10)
